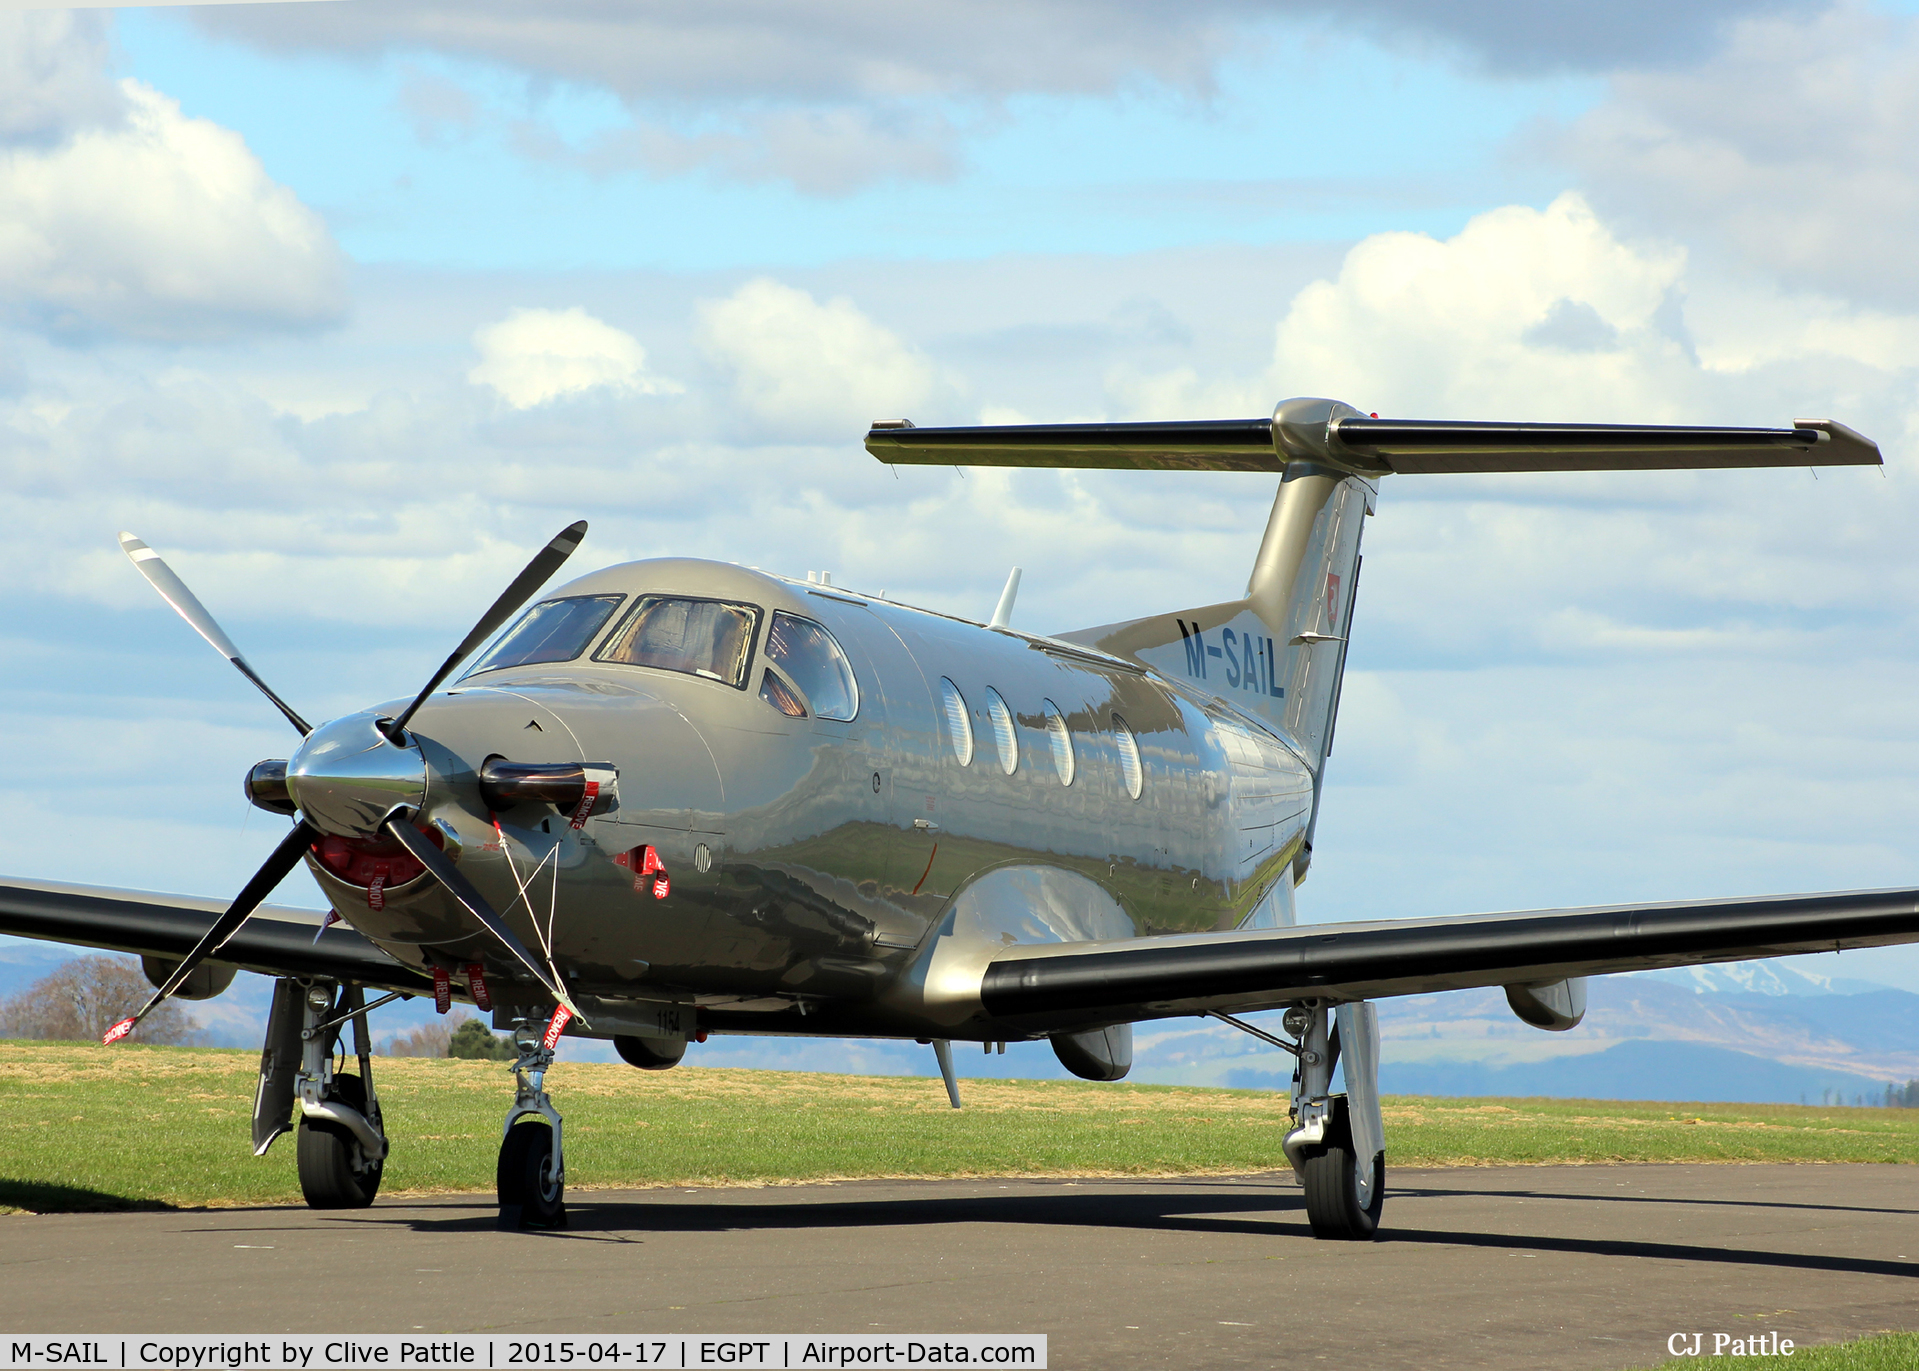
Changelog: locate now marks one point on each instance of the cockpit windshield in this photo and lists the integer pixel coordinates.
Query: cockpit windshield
(806, 652)
(709, 638)
(551, 631)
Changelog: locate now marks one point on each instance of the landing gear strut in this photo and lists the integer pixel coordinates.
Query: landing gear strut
(341, 1147)
(1337, 1144)
(532, 1171)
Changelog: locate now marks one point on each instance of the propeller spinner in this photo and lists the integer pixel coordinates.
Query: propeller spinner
(361, 776)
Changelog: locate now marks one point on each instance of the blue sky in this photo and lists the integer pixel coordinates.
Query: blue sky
(1333, 149)
(346, 307)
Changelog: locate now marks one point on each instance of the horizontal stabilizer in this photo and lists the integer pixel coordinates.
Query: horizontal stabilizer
(1175, 974)
(1339, 436)
(1207, 445)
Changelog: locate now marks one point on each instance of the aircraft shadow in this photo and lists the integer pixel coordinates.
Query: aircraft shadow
(1437, 1193)
(1223, 1209)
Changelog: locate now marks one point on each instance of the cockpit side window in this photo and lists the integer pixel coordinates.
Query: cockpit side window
(809, 654)
(551, 631)
(709, 638)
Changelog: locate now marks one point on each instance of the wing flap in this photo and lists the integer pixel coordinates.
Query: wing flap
(277, 941)
(1161, 977)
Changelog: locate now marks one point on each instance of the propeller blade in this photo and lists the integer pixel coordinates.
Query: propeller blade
(274, 870)
(174, 591)
(545, 562)
(460, 888)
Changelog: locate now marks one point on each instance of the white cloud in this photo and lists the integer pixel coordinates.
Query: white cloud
(832, 151)
(1793, 151)
(1524, 314)
(536, 355)
(53, 74)
(811, 368)
(159, 226)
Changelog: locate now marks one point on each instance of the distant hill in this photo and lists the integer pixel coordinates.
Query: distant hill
(1644, 1037)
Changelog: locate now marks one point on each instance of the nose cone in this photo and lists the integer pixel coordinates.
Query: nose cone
(347, 777)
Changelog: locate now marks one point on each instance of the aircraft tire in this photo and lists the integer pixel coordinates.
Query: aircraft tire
(530, 1195)
(1333, 1205)
(324, 1153)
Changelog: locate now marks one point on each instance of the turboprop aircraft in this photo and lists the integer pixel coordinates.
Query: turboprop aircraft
(678, 797)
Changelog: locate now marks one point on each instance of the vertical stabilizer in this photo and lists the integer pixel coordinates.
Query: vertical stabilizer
(1277, 653)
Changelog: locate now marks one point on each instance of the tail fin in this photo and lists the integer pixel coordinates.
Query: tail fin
(1279, 652)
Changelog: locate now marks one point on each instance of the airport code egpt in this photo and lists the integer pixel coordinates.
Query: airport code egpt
(376, 1352)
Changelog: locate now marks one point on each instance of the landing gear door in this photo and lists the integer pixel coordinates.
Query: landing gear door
(279, 1064)
(1359, 1045)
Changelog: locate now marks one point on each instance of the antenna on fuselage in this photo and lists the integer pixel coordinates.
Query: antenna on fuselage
(1003, 616)
(943, 1053)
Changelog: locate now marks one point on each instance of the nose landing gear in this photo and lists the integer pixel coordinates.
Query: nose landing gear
(531, 1177)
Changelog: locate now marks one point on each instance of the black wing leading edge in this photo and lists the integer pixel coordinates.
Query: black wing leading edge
(1162, 977)
(274, 942)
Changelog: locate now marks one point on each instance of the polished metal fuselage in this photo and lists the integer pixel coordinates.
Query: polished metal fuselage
(841, 878)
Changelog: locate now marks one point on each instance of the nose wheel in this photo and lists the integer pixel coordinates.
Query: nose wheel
(531, 1175)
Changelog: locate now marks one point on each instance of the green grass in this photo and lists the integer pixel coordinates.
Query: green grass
(1885, 1352)
(87, 1127)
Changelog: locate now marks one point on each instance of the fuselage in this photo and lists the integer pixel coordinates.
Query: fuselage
(981, 788)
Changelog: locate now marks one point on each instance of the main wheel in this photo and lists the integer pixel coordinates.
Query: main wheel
(531, 1195)
(1344, 1195)
(334, 1172)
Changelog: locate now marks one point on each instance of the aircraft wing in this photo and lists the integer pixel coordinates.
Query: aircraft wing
(277, 941)
(1058, 985)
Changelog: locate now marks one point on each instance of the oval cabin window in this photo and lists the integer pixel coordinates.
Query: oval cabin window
(1130, 769)
(1003, 734)
(1062, 742)
(959, 726)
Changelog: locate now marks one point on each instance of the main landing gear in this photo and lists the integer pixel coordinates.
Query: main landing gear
(531, 1176)
(1337, 1143)
(341, 1148)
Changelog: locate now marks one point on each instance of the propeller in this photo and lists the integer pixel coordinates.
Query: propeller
(398, 824)
(174, 591)
(285, 857)
(545, 562)
(442, 869)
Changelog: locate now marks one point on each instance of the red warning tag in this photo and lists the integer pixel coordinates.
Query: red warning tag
(376, 892)
(442, 989)
(662, 887)
(556, 1026)
(650, 864)
(117, 1032)
(332, 918)
(476, 986)
(587, 800)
